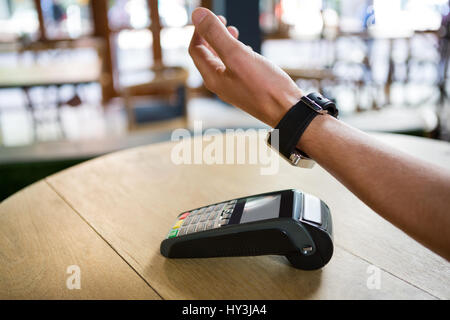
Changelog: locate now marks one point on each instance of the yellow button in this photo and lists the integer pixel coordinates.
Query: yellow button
(178, 224)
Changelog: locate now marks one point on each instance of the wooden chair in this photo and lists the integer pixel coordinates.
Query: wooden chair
(166, 89)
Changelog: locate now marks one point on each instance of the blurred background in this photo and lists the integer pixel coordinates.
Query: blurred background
(82, 78)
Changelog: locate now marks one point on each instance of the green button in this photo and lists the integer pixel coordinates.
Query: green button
(173, 233)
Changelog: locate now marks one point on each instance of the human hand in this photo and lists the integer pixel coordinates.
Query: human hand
(236, 73)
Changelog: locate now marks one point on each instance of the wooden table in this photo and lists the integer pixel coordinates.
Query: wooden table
(163, 83)
(52, 74)
(56, 74)
(108, 216)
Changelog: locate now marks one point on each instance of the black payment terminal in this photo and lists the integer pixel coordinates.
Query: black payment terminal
(288, 222)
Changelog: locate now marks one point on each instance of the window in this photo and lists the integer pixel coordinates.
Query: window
(18, 19)
(66, 18)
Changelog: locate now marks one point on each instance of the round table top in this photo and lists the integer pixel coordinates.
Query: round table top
(94, 231)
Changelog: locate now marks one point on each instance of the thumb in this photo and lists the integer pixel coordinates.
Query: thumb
(210, 28)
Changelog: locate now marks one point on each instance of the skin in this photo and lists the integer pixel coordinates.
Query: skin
(389, 182)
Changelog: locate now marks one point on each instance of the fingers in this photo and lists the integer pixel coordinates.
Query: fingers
(212, 29)
(222, 19)
(204, 59)
(233, 31)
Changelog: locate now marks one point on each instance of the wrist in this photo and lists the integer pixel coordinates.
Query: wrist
(317, 130)
(284, 101)
(297, 130)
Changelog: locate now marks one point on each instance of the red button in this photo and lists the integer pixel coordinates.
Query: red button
(184, 215)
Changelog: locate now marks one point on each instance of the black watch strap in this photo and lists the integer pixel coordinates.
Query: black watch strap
(297, 119)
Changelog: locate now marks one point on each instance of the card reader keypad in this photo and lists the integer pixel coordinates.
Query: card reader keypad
(202, 219)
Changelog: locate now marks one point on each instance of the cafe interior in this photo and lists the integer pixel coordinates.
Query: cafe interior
(83, 78)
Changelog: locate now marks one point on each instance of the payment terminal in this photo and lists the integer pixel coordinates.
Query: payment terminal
(288, 222)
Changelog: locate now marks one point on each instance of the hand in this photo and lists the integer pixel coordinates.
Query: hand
(236, 73)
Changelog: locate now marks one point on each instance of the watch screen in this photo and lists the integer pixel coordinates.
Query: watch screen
(261, 208)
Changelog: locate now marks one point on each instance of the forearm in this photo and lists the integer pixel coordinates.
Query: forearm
(412, 195)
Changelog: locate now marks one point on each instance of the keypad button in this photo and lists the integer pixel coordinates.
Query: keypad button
(200, 227)
(219, 207)
(204, 217)
(184, 215)
(188, 220)
(212, 216)
(226, 215)
(195, 219)
(178, 224)
(227, 212)
(200, 211)
(191, 228)
(209, 209)
(173, 233)
(182, 231)
(210, 224)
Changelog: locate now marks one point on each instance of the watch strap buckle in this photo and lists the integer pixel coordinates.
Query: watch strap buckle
(299, 160)
(313, 105)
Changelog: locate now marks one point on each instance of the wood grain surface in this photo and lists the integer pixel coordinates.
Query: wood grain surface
(41, 237)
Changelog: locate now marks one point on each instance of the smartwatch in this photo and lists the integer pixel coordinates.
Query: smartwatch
(287, 133)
